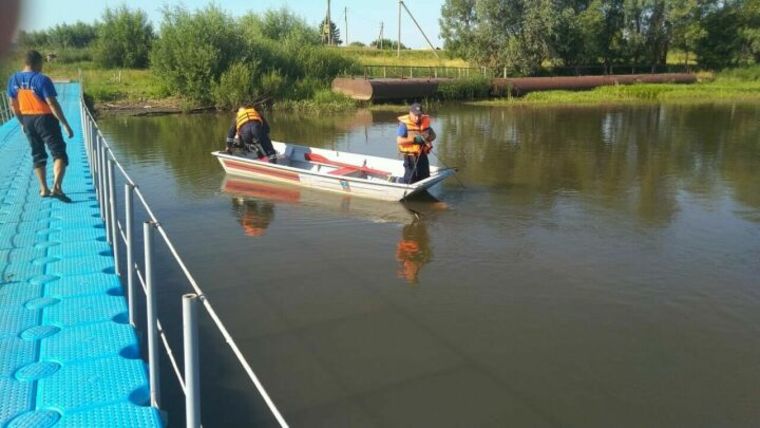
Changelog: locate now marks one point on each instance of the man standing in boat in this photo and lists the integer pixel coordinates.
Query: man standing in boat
(415, 140)
(250, 131)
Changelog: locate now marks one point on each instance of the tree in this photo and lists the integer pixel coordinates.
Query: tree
(750, 31)
(279, 25)
(685, 26)
(195, 49)
(124, 38)
(515, 34)
(721, 44)
(325, 31)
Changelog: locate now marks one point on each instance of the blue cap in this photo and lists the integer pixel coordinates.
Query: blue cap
(415, 108)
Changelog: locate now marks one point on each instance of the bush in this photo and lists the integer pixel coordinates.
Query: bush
(124, 39)
(195, 49)
(469, 89)
(278, 25)
(73, 55)
(235, 86)
(273, 84)
(78, 35)
(745, 74)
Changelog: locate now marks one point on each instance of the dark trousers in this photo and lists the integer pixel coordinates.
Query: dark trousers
(416, 168)
(42, 130)
(253, 134)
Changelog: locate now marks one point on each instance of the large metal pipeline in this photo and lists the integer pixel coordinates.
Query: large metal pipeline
(409, 89)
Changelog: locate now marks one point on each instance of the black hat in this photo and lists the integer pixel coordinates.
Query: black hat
(415, 108)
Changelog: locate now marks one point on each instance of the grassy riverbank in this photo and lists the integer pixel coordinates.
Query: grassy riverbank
(731, 85)
(139, 90)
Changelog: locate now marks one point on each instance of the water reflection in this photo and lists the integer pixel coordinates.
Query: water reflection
(413, 251)
(365, 209)
(255, 216)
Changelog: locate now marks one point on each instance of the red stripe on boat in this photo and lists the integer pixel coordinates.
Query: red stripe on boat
(262, 170)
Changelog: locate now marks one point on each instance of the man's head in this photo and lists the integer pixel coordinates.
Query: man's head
(415, 112)
(33, 60)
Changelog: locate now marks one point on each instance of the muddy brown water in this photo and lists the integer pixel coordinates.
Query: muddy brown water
(600, 267)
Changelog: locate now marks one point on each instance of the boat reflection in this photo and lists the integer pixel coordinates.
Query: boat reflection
(376, 211)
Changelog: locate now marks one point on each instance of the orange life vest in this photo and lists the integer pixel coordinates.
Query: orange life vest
(245, 115)
(30, 104)
(413, 129)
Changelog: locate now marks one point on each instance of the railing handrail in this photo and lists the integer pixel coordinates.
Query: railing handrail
(89, 124)
(6, 113)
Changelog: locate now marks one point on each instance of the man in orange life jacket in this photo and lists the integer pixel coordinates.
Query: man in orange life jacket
(250, 131)
(33, 99)
(414, 138)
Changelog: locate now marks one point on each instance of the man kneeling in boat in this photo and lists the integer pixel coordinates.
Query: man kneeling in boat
(250, 133)
(414, 138)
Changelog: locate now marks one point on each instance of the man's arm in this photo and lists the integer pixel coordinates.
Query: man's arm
(16, 110)
(58, 113)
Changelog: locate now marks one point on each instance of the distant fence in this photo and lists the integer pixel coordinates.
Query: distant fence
(411, 72)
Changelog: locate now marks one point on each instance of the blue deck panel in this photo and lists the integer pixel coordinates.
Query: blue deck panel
(68, 358)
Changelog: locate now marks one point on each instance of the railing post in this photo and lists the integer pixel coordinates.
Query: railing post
(107, 194)
(98, 174)
(129, 213)
(192, 372)
(114, 223)
(152, 315)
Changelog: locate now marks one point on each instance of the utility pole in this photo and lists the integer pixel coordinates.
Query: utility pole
(398, 47)
(381, 36)
(329, 25)
(345, 17)
(401, 3)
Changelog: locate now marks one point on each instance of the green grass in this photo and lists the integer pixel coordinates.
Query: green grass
(733, 85)
(409, 57)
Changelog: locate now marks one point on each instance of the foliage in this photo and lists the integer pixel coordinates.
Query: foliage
(357, 44)
(278, 24)
(78, 35)
(464, 89)
(124, 39)
(235, 86)
(386, 44)
(524, 35)
(327, 31)
(194, 49)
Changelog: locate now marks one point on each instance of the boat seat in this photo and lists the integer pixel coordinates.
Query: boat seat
(342, 168)
(346, 170)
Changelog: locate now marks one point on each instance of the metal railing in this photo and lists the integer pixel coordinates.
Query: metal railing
(408, 72)
(6, 113)
(103, 167)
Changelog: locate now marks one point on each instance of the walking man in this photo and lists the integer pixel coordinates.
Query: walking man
(414, 138)
(33, 99)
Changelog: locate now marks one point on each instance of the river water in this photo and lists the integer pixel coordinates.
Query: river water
(597, 266)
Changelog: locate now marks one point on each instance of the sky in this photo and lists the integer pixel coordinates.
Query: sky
(364, 16)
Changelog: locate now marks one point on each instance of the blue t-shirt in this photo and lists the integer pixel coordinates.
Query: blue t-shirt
(40, 84)
(402, 131)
